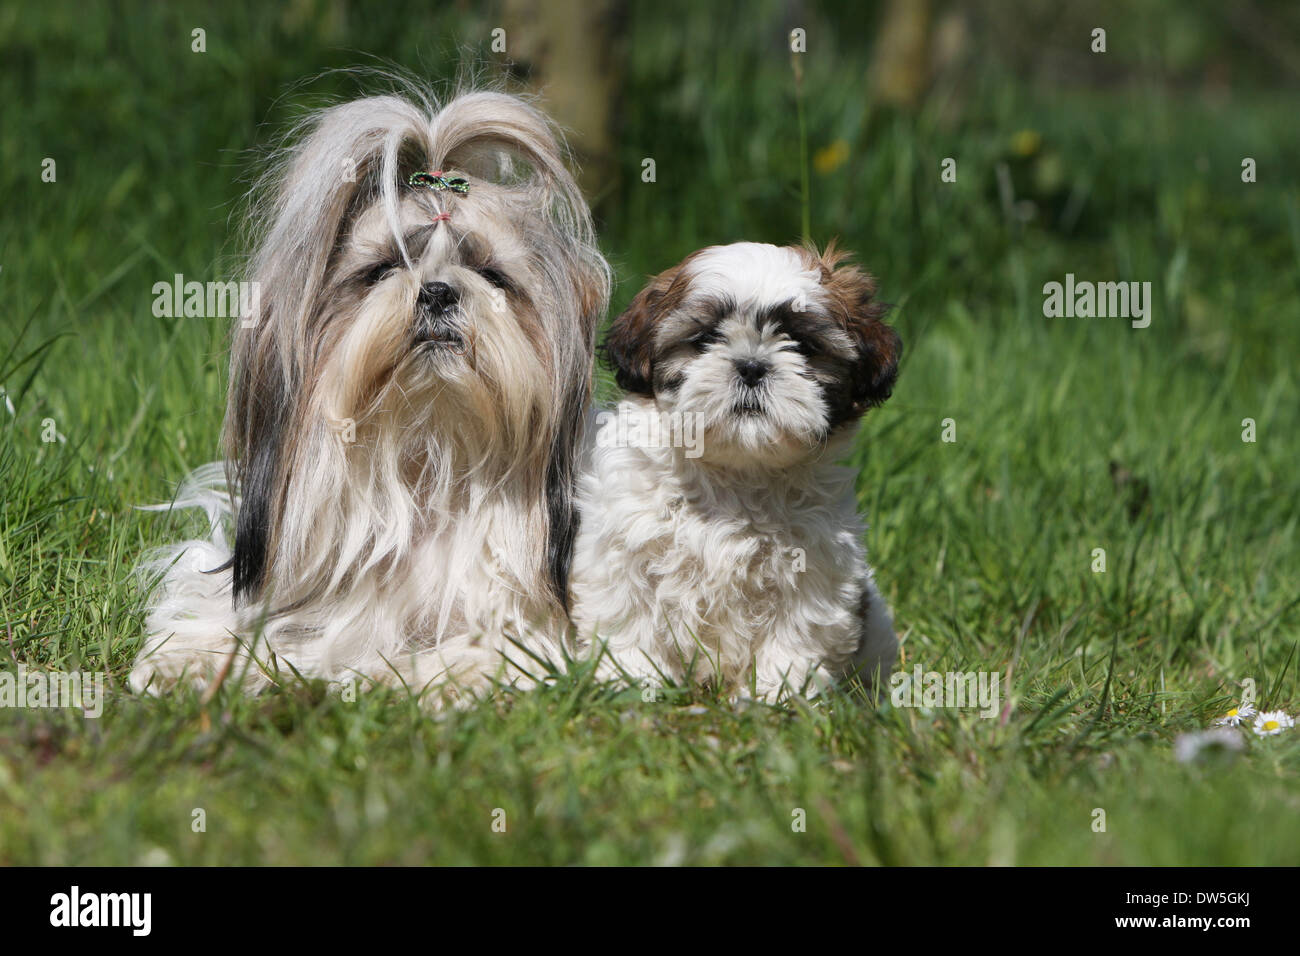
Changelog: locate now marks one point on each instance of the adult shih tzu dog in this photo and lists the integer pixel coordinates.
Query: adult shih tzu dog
(719, 540)
(404, 411)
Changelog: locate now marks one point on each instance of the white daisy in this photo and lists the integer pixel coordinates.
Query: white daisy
(1237, 716)
(1273, 722)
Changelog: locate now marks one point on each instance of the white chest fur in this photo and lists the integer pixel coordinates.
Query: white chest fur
(758, 577)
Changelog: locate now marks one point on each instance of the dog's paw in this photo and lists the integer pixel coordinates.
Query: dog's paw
(158, 674)
(165, 667)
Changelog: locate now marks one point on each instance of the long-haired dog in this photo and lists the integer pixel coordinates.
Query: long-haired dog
(719, 540)
(404, 411)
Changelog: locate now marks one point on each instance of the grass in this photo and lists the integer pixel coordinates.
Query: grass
(1072, 435)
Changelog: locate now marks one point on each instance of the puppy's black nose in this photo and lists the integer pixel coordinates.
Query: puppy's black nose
(751, 371)
(437, 297)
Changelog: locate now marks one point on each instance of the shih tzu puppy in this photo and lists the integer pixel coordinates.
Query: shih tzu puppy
(404, 412)
(718, 539)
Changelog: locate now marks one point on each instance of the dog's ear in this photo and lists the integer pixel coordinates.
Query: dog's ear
(339, 160)
(591, 288)
(258, 429)
(630, 343)
(561, 510)
(851, 295)
(591, 285)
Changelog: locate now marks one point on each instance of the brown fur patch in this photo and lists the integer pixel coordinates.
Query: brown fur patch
(630, 342)
(851, 299)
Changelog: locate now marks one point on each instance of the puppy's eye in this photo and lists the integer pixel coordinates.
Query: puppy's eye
(496, 277)
(804, 346)
(702, 339)
(379, 272)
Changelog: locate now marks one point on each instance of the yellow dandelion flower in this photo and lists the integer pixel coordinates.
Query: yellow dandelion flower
(830, 158)
(1026, 142)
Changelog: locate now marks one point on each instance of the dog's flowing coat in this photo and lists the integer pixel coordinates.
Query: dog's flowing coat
(404, 413)
(739, 561)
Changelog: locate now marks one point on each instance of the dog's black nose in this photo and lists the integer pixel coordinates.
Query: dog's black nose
(751, 371)
(437, 297)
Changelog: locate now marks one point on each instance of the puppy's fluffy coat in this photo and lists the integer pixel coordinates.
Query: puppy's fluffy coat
(740, 561)
(404, 414)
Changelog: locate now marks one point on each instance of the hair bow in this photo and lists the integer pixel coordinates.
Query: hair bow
(437, 180)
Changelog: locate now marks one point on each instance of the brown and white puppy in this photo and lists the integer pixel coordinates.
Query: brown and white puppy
(718, 538)
(405, 409)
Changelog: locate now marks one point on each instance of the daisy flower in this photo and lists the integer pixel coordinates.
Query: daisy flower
(1236, 716)
(1273, 722)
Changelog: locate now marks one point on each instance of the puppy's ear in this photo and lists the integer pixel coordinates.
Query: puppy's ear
(630, 342)
(851, 295)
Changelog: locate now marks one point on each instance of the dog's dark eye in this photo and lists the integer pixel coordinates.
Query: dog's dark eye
(804, 346)
(702, 339)
(496, 277)
(378, 272)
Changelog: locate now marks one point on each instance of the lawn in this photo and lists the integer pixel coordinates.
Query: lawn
(1071, 435)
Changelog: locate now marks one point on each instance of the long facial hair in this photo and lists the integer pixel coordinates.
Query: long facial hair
(418, 370)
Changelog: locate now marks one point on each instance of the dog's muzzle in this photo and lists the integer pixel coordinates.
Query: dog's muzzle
(751, 373)
(434, 317)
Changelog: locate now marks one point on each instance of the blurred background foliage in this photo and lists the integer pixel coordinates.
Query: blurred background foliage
(147, 131)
